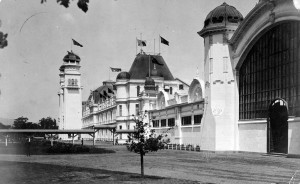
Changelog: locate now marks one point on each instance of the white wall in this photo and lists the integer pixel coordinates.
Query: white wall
(253, 136)
(294, 136)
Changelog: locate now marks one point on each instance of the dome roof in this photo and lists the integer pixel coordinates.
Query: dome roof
(140, 67)
(223, 14)
(123, 75)
(71, 57)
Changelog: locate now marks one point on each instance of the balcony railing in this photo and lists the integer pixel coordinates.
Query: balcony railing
(111, 102)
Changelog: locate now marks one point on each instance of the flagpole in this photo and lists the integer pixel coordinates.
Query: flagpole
(159, 44)
(154, 45)
(135, 45)
(149, 65)
(108, 74)
(142, 44)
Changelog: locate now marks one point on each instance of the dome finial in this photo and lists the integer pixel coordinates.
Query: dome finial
(197, 73)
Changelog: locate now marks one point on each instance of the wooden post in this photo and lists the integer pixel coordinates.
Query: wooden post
(6, 140)
(72, 139)
(51, 140)
(113, 131)
(94, 139)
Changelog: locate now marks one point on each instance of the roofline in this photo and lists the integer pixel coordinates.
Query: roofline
(182, 81)
(54, 131)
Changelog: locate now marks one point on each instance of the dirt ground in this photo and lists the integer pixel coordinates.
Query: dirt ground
(181, 166)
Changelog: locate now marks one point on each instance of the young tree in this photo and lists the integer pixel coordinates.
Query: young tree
(142, 141)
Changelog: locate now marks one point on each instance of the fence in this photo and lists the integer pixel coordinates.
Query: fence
(184, 147)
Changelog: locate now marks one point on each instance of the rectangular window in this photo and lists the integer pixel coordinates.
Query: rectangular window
(225, 64)
(137, 109)
(187, 120)
(171, 90)
(120, 127)
(163, 122)
(155, 123)
(197, 119)
(137, 91)
(120, 110)
(180, 86)
(171, 122)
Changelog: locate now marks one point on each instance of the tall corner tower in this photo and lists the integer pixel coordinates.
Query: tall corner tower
(70, 94)
(219, 128)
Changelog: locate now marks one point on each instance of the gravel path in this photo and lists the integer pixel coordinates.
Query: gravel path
(195, 166)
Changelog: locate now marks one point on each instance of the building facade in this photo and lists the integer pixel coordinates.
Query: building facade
(249, 96)
(70, 93)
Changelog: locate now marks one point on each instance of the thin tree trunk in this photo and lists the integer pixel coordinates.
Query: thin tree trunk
(142, 165)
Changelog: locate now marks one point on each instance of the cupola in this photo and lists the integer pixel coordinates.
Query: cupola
(220, 18)
(123, 76)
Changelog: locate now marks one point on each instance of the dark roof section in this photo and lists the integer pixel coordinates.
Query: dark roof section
(71, 57)
(123, 75)
(223, 12)
(104, 91)
(140, 67)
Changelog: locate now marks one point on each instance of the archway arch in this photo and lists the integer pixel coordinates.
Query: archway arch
(278, 126)
(196, 92)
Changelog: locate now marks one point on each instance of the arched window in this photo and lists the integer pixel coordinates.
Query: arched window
(271, 70)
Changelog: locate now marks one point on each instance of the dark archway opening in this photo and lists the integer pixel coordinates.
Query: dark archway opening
(278, 127)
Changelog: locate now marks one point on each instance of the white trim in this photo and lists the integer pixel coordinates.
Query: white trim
(261, 121)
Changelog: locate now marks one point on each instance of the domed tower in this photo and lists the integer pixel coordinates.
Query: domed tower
(70, 98)
(219, 124)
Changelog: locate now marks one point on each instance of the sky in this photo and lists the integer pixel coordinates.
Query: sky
(39, 36)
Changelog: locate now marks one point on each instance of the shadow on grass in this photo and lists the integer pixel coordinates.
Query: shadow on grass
(24, 172)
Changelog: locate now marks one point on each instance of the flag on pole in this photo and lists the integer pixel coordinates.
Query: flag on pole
(141, 43)
(115, 69)
(76, 43)
(164, 41)
(155, 61)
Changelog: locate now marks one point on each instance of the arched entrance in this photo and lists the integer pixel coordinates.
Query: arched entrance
(278, 126)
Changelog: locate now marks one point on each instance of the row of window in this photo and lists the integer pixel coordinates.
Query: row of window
(105, 116)
(72, 82)
(186, 120)
(137, 109)
(163, 122)
(170, 90)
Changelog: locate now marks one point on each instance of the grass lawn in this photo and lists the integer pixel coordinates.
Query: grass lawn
(37, 173)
